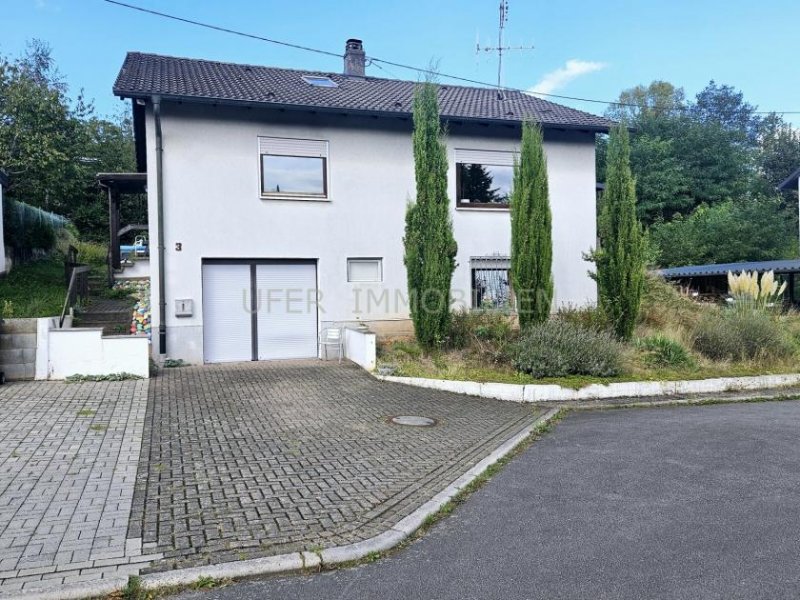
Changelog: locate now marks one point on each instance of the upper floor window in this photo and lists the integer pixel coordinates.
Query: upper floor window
(292, 168)
(483, 178)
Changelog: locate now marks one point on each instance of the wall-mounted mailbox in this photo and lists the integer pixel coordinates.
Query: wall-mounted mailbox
(184, 307)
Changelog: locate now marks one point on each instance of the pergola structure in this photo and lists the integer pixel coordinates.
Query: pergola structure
(117, 184)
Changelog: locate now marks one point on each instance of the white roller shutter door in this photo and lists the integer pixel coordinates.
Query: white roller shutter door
(287, 315)
(227, 322)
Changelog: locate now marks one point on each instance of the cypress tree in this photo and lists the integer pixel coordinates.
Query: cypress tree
(430, 247)
(531, 231)
(620, 259)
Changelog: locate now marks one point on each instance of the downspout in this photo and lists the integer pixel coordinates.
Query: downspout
(162, 302)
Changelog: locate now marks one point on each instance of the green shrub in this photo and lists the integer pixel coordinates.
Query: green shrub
(91, 253)
(738, 335)
(557, 348)
(410, 349)
(661, 351)
(588, 317)
(469, 326)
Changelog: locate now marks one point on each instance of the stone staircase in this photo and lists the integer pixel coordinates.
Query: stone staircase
(18, 349)
(113, 315)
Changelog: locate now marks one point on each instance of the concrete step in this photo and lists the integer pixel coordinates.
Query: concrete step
(103, 318)
(17, 340)
(18, 372)
(18, 326)
(109, 327)
(14, 356)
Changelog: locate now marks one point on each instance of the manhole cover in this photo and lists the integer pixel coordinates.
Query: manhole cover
(413, 421)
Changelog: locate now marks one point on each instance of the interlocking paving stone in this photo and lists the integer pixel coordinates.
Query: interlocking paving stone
(256, 459)
(68, 460)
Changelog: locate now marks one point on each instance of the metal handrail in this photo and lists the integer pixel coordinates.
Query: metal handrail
(72, 293)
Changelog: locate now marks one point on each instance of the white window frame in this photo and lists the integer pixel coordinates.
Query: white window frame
(294, 147)
(377, 260)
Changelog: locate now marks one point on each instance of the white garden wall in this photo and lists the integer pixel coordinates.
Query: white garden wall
(360, 347)
(88, 352)
(61, 352)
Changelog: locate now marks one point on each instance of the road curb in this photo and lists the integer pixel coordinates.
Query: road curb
(392, 537)
(75, 591)
(539, 393)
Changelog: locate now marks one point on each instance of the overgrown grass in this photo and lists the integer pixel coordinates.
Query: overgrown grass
(33, 290)
(665, 350)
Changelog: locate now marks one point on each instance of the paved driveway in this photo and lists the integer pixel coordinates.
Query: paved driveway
(255, 459)
(68, 459)
(690, 502)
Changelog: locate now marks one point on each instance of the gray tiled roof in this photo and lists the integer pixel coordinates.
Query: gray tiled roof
(143, 75)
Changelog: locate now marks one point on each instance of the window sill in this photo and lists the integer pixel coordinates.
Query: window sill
(482, 208)
(295, 198)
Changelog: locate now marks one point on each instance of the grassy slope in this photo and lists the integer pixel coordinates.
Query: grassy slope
(33, 290)
(664, 311)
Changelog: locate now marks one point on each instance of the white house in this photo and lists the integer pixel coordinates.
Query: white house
(277, 198)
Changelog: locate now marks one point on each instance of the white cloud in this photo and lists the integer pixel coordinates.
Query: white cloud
(555, 80)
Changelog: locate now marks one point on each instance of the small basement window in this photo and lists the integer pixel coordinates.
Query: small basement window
(364, 269)
(293, 168)
(318, 81)
(491, 283)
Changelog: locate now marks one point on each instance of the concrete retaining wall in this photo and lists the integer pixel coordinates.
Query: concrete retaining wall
(87, 351)
(633, 389)
(18, 349)
(359, 347)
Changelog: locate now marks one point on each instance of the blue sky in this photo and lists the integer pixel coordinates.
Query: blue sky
(589, 49)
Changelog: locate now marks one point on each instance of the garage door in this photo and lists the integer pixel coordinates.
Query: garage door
(285, 322)
(227, 323)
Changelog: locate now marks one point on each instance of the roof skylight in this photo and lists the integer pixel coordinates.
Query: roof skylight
(319, 81)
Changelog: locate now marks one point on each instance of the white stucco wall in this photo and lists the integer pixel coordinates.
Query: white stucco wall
(87, 352)
(213, 209)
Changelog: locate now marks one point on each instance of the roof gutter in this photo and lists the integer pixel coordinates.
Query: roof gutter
(350, 111)
(162, 302)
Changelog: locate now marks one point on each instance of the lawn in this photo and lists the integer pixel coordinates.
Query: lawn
(484, 347)
(33, 290)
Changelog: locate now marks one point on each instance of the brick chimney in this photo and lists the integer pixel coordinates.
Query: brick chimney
(354, 56)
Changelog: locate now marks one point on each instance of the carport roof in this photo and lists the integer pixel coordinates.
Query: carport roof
(779, 266)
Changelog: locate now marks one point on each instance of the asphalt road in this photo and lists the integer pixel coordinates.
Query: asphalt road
(689, 502)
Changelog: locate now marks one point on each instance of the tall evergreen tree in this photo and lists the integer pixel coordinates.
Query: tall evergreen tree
(531, 231)
(620, 259)
(430, 247)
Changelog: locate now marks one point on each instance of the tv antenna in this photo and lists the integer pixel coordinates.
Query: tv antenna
(500, 48)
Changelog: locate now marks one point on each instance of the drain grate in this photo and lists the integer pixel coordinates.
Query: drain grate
(412, 421)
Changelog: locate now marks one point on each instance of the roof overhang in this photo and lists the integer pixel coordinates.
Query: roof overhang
(124, 183)
(349, 111)
(790, 183)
